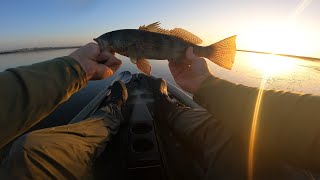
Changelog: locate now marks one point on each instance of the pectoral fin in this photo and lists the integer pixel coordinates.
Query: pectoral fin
(144, 66)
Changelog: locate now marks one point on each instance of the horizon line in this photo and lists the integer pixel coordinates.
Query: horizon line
(22, 50)
(279, 54)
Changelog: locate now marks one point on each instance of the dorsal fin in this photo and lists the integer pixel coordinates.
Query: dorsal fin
(154, 27)
(185, 35)
(177, 32)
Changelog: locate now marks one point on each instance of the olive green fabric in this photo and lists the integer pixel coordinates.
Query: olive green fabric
(287, 131)
(214, 144)
(30, 93)
(62, 152)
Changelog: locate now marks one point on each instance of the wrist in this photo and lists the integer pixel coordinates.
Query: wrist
(79, 72)
(209, 80)
(198, 83)
(88, 69)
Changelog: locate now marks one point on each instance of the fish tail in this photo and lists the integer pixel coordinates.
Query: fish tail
(222, 53)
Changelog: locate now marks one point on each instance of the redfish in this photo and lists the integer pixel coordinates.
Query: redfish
(153, 42)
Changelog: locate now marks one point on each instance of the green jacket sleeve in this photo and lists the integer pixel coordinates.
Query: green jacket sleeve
(288, 123)
(30, 93)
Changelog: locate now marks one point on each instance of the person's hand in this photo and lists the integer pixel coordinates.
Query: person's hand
(190, 75)
(96, 64)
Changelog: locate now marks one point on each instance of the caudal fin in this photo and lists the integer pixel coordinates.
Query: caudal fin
(223, 52)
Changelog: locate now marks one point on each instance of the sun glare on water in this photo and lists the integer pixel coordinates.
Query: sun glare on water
(271, 65)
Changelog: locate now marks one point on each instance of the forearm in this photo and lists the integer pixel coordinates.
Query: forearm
(198, 129)
(287, 124)
(235, 104)
(30, 93)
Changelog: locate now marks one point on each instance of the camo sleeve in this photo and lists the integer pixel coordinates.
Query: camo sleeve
(30, 93)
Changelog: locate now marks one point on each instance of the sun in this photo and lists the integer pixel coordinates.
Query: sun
(285, 38)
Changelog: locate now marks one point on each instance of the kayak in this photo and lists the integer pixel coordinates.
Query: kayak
(141, 150)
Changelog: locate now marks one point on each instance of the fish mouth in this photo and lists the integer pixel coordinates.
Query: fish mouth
(104, 45)
(97, 40)
(100, 43)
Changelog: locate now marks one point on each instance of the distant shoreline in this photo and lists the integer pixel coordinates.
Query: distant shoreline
(286, 55)
(36, 49)
(72, 47)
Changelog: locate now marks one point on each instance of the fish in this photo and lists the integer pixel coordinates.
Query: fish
(155, 43)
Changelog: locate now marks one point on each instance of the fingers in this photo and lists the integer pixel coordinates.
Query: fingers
(193, 58)
(115, 67)
(94, 47)
(172, 65)
(102, 72)
(90, 50)
(177, 69)
(108, 59)
(189, 54)
(104, 57)
(197, 61)
(96, 64)
(87, 52)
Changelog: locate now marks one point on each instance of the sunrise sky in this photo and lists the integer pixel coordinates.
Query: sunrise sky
(286, 26)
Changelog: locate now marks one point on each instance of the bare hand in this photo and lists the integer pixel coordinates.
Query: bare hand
(96, 64)
(190, 76)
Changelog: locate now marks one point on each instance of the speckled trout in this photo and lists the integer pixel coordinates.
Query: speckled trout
(153, 42)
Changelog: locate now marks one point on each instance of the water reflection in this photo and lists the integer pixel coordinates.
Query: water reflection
(288, 74)
(272, 65)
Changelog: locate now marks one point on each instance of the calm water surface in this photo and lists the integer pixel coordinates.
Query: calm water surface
(301, 76)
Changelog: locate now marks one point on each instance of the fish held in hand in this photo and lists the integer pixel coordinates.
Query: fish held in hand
(153, 42)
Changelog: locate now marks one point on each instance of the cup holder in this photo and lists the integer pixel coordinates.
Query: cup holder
(141, 128)
(142, 145)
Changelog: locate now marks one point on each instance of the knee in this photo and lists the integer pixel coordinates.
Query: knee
(23, 144)
(19, 163)
(19, 154)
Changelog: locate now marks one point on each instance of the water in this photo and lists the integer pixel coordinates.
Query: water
(302, 77)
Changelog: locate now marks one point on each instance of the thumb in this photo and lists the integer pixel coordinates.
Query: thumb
(102, 71)
(104, 56)
(189, 53)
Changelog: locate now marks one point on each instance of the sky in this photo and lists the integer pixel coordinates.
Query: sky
(279, 26)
